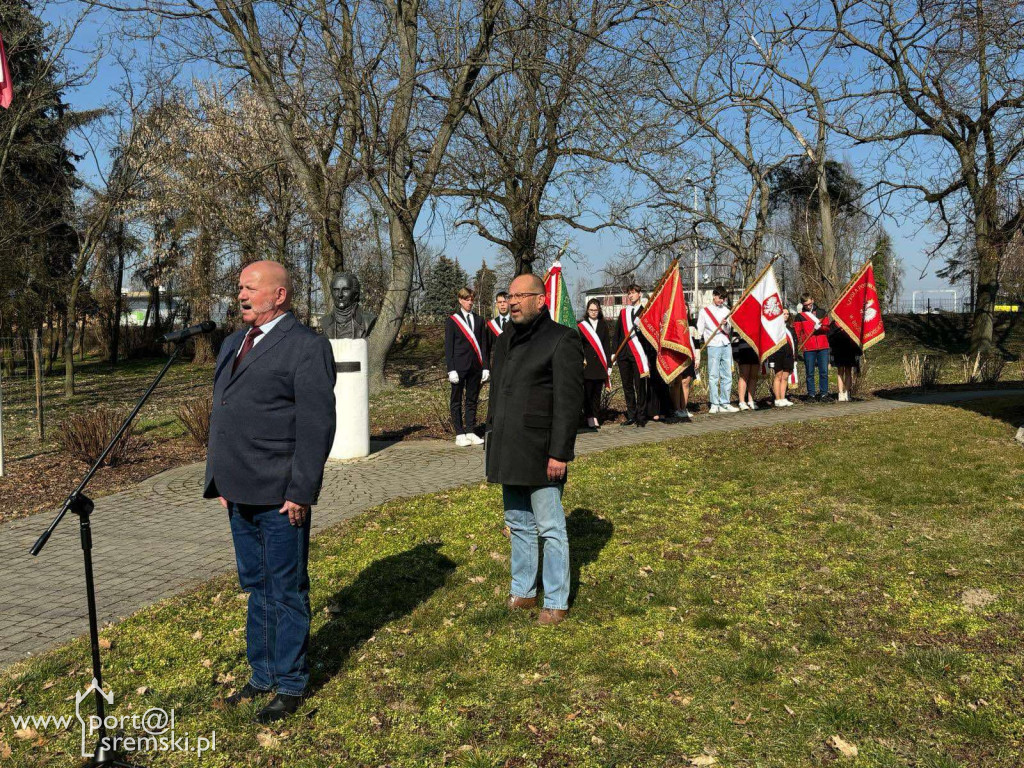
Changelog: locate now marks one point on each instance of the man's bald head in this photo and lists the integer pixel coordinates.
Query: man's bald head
(264, 292)
(525, 309)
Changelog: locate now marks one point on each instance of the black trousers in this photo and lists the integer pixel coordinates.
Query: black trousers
(468, 387)
(592, 398)
(634, 388)
(659, 396)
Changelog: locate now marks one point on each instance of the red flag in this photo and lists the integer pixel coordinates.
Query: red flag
(858, 312)
(665, 324)
(758, 316)
(6, 86)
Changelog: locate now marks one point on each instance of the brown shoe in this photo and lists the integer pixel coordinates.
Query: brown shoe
(551, 616)
(520, 603)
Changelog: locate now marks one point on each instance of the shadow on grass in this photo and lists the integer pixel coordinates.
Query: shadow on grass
(1003, 401)
(588, 535)
(951, 333)
(385, 590)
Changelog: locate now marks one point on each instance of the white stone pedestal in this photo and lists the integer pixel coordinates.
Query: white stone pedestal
(352, 399)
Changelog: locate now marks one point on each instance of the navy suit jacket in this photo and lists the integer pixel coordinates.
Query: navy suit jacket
(273, 419)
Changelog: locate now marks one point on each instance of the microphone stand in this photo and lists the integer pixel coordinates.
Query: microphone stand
(80, 504)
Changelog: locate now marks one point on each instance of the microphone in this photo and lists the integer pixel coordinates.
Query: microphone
(177, 337)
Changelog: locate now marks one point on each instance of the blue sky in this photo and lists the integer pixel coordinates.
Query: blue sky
(910, 239)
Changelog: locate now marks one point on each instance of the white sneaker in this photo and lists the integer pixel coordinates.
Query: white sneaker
(744, 407)
(787, 402)
(752, 405)
(462, 441)
(715, 409)
(780, 403)
(474, 439)
(844, 397)
(730, 408)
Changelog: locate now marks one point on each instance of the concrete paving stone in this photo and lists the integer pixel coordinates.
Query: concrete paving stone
(160, 537)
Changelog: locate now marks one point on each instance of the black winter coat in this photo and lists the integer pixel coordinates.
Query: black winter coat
(535, 402)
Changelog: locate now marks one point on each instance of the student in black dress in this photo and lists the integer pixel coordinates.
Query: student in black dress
(846, 356)
(748, 365)
(781, 366)
(596, 356)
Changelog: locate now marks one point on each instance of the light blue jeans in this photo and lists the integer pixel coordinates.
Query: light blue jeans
(535, 513)
(719, 373)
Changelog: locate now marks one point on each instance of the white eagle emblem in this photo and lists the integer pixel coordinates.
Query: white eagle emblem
(771, 307)
(870, 310)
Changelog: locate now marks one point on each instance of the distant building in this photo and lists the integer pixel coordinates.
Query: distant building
(135, 303)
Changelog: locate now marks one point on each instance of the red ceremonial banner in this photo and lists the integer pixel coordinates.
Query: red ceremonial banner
(665, 324)
(6, 86)
(858, 312)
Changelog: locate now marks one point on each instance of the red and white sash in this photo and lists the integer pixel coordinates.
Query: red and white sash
(591, 335)
(717, 324)
(634, 345)
(493, 327)
(461, 325)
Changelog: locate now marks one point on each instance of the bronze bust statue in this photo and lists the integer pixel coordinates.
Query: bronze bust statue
(348, 320)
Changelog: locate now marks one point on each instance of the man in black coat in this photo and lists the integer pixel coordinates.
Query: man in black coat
(466, 353)
(536, 397)
(271, 431)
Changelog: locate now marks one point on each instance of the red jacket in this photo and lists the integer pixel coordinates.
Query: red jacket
(804, 328)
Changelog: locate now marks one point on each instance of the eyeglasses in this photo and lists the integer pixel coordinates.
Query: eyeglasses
(521, 296)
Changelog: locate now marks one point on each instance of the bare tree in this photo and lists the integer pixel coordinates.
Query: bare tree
(942, 93)
(539, 142)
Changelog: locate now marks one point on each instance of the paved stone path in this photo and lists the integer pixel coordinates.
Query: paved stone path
(161, 537)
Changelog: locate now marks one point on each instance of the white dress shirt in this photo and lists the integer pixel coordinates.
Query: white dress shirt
(705, 327)
(265, 328)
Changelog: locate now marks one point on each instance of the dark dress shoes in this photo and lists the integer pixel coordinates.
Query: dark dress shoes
(641, 424)
(244, 696)
(279, 707)
(629, 422)
(551, 616)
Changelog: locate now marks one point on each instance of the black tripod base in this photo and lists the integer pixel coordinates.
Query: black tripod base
(108, 758)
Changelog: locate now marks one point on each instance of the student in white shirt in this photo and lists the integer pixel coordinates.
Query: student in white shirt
(715, 332)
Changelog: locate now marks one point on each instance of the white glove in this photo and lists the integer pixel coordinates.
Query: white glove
(817, 324)
(485, 376)
(453, 377)
(609, 373)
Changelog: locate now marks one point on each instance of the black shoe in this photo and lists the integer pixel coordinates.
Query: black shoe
(670, 420)
(244, 696)
(279, 707)
(641, 424)
(629, 422)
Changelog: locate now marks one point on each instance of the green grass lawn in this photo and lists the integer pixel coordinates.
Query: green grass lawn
(739, 598)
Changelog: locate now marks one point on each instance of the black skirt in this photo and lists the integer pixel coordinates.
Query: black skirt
(781, 359)
(744, 354)
(845, 354)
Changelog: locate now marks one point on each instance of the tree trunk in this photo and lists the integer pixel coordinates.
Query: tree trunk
(115, 329)
(396, 298)
(988, 287)
(828, 262)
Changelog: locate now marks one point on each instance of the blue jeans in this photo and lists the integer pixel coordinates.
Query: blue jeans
(816, 359)
(272, 556)
(719, 373)
(533, 513)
